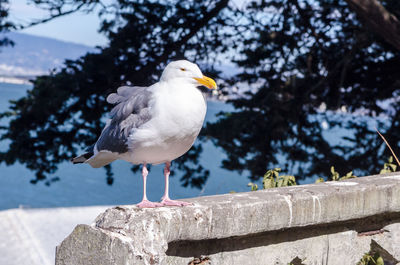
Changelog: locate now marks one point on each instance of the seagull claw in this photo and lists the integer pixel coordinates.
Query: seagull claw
(148, 204)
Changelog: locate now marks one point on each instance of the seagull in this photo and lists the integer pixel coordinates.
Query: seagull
(153, 125)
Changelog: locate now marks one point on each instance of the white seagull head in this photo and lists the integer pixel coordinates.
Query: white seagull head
(189, 71)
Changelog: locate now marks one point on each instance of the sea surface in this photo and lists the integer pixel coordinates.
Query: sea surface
(81, 185)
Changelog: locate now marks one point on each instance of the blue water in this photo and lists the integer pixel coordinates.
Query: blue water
(81, 185)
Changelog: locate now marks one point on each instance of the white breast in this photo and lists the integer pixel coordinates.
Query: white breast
(178, 113)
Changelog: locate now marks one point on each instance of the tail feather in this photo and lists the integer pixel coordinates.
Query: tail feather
(101, 158)
(82, 158)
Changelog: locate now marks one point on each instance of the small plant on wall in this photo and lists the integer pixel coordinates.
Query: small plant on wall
(389, 166)
(371, 259)
(272, 179)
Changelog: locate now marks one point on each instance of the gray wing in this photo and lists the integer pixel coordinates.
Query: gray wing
(131, 111)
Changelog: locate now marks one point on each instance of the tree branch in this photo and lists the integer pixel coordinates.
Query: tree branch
(193, 30)
(55, 9)
(60, 14)
(378, 19)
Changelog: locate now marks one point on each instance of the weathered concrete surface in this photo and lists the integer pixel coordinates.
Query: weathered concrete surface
(327, 223)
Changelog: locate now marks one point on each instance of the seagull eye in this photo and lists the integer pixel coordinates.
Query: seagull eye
(183, 69)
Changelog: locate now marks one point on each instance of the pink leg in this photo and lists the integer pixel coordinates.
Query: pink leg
(165, 200)
(145, 203)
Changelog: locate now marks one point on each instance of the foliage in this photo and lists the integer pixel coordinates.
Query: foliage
(306, 63)
(319, 180)
(371, 259)
(336, 177)
(5, 24)
(388, 166)
(272, 179)
(309, 63)
(253, 186)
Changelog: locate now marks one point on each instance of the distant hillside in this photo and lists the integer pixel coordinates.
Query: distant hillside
(33, 55)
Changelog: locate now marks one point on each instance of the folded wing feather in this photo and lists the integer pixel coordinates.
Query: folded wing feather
(131, 111)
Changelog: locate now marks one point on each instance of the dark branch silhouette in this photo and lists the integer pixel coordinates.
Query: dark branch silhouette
(378, 19)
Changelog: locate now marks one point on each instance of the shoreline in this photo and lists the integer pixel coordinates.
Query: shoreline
(15, 80)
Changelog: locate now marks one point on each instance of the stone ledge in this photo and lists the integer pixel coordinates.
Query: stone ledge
(128, 235)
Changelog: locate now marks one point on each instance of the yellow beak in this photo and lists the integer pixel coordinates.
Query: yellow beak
(206, 81)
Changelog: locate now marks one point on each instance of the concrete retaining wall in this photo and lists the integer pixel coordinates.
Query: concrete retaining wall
(326, 223)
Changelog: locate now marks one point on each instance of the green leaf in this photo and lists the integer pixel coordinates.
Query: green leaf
(276, 172)
(288, 180)
(319, 180)
(348, 176)
(272, 179)
(393, 167)
(269, 183)
(268, 174)
(388, 167)
(335, 175)
(280, 182)
(379, 261)
(384, 171)
(253, 186)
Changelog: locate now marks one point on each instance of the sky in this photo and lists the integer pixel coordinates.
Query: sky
(78, 28)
